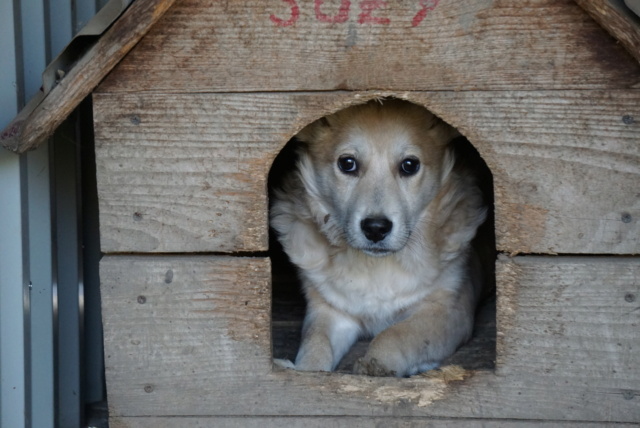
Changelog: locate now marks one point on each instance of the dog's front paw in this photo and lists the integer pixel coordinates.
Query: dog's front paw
(371, 367)
(285, 364)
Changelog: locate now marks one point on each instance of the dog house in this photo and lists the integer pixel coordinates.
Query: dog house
(189, 120)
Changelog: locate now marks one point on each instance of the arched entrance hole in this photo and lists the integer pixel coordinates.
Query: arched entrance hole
(288, 302)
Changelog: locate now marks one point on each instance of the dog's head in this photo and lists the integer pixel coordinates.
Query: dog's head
(371, 170)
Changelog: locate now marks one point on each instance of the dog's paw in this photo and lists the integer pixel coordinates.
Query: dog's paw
(285, 364)
(371, 367)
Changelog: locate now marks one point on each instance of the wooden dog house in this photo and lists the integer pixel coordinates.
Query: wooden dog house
(187, 126)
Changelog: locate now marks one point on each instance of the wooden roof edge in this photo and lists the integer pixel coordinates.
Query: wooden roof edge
(619, 21)
(44, 113)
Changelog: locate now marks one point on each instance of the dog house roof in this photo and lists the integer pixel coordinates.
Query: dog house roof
(51, 106)
(43, 114)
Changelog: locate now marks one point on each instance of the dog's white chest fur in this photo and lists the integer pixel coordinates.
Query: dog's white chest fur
(377, 291)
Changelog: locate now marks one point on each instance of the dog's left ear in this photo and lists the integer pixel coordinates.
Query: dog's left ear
(452, 134)
(314, 131)
(443, 133)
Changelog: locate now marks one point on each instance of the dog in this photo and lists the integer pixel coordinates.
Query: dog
(378, 217)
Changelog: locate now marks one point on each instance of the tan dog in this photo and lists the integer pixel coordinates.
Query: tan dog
(379, 220)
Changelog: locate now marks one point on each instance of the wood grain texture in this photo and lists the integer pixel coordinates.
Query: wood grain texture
(618, 20)
(203, 46)
(187, 172)
(195, 320)
(574, 318)
(566, 165)
(32, 126)
(571, 323)
(198, 346)
(343, 422)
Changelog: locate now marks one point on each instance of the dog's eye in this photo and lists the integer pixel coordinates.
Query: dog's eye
(348, 164)
(409, 166)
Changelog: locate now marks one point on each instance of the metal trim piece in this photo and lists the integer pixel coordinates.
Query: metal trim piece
(634, 6)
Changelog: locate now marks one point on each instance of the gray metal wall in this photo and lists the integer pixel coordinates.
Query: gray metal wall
(50, 336)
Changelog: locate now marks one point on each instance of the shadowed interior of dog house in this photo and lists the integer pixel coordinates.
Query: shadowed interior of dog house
(288, 302)
(188, 125)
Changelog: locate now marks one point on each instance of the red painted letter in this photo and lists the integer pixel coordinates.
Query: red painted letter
(367, 7)
(342, 16)
(427, 6)
(295, 14)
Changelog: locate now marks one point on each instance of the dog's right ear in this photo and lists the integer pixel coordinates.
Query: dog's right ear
(314, 131)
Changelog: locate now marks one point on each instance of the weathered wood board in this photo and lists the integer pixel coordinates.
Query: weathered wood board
(566, 166)
(201, 321)
(617, 19)
(195, 342)
(293, 45)
(571, 321)
(342, 422)
(187, 172)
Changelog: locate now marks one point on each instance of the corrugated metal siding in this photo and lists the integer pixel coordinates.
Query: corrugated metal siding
(39, 348)
(12, 351)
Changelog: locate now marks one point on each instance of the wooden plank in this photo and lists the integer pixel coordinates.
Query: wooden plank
(570, 317)
(175, 324)
(571, 322)
(252, 45)
(187, 172)
(44, 114)
(343, 422)
(192, 347)
(618, 20)
(566, 165)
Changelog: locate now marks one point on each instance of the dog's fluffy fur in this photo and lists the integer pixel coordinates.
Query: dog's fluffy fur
(382, 251)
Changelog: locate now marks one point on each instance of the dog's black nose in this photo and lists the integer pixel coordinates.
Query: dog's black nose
(376, 228)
